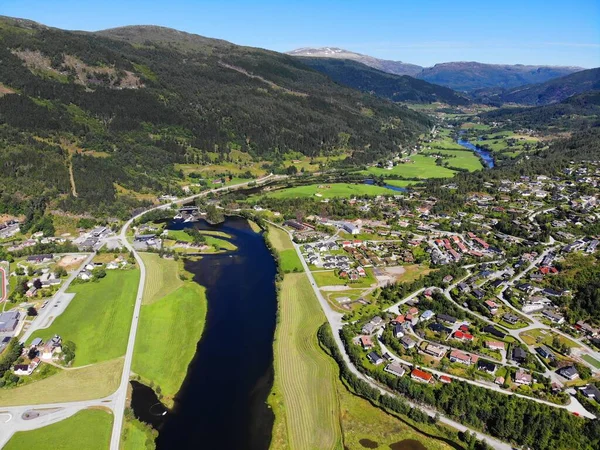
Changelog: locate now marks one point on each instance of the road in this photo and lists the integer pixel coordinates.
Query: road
(11, 419)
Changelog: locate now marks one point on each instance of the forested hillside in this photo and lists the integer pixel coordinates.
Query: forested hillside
(398, 88)
(117, 109)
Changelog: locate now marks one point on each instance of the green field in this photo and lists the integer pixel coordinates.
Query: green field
(98, 319)
(162, 277)
(89, 429)
(214, 238)
(289, 261)
(329, 278)
(422, 167)
(462, 159)
(86, 383)
(593, 361)
(279, 238)
(137, 435)
(169, 330)
(307, 412)
(399, 183)
(327, 191)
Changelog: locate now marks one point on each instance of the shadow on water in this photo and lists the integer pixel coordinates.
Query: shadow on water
(221, 403)
(408, 444)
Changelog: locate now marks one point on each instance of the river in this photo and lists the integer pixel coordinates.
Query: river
(221, 403)
(485, 155)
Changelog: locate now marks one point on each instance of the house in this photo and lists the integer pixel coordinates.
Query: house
(491, 306)
(519, 355)
(407, 342)
(545, 352)
(439, 328)
(445, 379)
(51, 347)
(591, 391)
(435, 350)
(85, 275)
(421, 376)
(40, 258)
(395, 369)
(9, 321)
(398, 330)
(112, 265)
(553, 317)
(495, 345)
(36, 342)
(399, 319)
(26, 369)
(447, 279)
(478, 293)
(522, 377)
(510, 318)
(463, 288)
(494, 331)
(570, 373)
(366, 342)
(427, 315)
(375, 358)
(463, 358)
(499, 381)
(463, 336)
(368, 328)
(486, 366)
(446, 318)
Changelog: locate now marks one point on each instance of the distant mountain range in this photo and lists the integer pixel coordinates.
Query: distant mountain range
(461, 76)
(552, 91)
(398, 88)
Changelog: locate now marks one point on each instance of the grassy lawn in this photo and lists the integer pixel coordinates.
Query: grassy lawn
(328, 191)
(162, 277)
(413, 272)
(98, 319)
(329, 278)
(399, 183)
(167, 336)
(136, 435)
(421, 167)
(87, 383)
(220, 244)
(307, 412)
(593, 361)
(89, 429)
(279, 238)
(539, 336)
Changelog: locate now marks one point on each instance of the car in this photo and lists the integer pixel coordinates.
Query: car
(44, 305)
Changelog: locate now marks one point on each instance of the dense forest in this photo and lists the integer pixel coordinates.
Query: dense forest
(118, 109)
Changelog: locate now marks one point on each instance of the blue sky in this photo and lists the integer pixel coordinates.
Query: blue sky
(422, 32)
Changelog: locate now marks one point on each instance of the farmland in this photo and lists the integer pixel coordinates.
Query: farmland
(462, 159)
(328, 191)
(86, 383)
(99, 317)
(162, 277)
(279, 238)
(171, 323)
(89, 429)
(422, 167)
(310, 409)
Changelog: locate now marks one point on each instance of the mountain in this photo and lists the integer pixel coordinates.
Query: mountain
(394, 67)
(469, 76)
(552, 91)
(460, 76)
(96, 122)
(398, 88)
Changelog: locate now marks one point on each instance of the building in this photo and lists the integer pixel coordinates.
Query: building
(463, 358)
(26, 369)
(350, 228)
(545, 352)
(446, 318)
(407, 342)
(491, 306)
(570, 373)
(494, 331)
(510, 318)
(427, 315)
(462, 336)
(553, 317)
(366, 342)
(395, 369)
(398, 330)
(486, 366)
(519, 355)
(374, 358)
(9, 321)
(421, 376)
(439, 328)
(591, 391)
(495, 345)
(445, 379)
(522, 377)
(435, 350)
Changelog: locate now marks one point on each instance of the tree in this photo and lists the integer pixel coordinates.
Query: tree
(68, 351)
(60, 272)
(32, 353)
(99, 273)
(31, 311)
(214, 216)
(37, 283)
(291, 170)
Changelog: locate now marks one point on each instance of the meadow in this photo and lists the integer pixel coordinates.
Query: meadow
(330, 190)
(98, 319)
(89, 429)
(421, 167)
(307, 411)
(86, 383)
(462, 159)
(171, 323)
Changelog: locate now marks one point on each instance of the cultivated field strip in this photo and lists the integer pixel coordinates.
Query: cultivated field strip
(162, 277)
(306, 374)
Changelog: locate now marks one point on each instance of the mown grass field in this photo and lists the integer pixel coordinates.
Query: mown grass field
(328, 191)
(279, 238)
(136, 436)
(98, 319)
(329, 278)
(463, 159)
(170, 327)
(89, 429)
(304, 375)
(289, 261)
(86, 383)
(422, 167)
(162, 277)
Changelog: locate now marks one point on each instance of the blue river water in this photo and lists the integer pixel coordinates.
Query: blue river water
(387, 186)
(486, 155)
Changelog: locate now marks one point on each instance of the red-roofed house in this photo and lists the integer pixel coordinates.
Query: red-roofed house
(463, 336)
(464, 328)
(463, 358)
(491, 305)
(421, 376)
(445, 379)
(366, 342)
